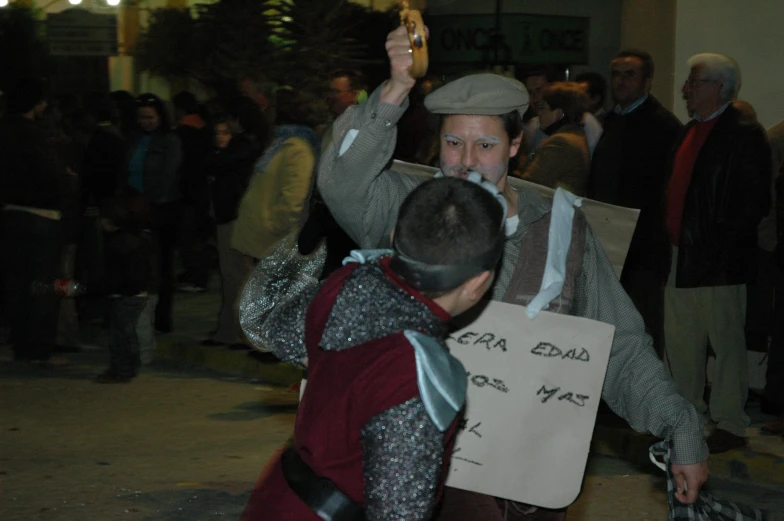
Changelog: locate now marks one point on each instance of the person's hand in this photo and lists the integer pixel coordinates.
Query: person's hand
(400, 82)
(689, 479)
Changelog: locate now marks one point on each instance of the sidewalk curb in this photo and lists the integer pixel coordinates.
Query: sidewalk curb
(237, 363)
(753, 464)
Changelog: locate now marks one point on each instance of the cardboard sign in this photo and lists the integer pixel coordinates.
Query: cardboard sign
(613, 225)
(534, 388)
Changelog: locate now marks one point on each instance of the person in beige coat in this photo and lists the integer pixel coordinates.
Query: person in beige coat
(563, 159)
(275, 203)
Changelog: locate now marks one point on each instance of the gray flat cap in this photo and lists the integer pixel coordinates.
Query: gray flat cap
(482, 94)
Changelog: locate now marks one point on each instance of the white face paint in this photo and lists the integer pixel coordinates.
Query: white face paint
(476, 143)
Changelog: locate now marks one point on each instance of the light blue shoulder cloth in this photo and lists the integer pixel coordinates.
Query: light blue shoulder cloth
(559, 240)
(363, 256)
(441, 378)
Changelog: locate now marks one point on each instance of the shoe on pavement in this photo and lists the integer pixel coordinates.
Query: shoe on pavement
(724, 441)
(109, 377)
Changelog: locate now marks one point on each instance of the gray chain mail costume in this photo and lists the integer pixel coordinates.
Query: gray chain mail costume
(368, 307)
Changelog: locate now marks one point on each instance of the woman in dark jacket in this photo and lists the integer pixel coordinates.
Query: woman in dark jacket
(238, 141)
(155, 155)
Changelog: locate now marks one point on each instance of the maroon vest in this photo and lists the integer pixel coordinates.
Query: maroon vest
(345, 390)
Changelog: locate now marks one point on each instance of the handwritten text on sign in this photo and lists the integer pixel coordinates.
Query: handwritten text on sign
(533, 393)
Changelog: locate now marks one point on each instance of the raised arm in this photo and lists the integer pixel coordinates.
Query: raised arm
(361, 195)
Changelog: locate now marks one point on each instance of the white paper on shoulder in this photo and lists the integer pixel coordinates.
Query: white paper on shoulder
(534, 388)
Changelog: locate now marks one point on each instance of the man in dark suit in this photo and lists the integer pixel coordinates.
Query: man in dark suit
(629, 169)
(197, 227)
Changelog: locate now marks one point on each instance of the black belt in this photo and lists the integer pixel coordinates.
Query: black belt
(319, 493)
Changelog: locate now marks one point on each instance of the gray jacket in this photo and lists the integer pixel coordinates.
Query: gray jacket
(364, 198)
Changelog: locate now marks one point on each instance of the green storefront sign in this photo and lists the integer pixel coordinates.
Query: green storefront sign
(523, 38)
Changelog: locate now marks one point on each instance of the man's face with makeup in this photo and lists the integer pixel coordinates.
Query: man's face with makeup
(477, 143)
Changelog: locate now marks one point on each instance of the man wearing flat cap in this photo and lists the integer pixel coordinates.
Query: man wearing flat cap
(481, 129)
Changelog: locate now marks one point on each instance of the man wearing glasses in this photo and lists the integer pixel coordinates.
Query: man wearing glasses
(718, 190)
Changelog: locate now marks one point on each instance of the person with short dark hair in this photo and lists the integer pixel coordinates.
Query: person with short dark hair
(257, 88)
(628, 169)
(345, 87)
(562, 160)
(127, 254)
(106, 154)
(646, 61)
(185, 104)
(105, 163)
(367, 426)
(596, 89)
(197, 225)
(32, 184)
(536, 79)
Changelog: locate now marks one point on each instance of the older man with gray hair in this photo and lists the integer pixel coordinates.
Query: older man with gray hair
(718, 190)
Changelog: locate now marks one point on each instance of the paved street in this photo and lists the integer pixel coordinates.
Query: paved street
(186, 444)
(169, 446)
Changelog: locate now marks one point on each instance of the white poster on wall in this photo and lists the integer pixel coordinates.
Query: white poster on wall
(533, 393)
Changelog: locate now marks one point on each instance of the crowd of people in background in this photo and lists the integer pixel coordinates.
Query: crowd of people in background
(112, 192)
(700, 268)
